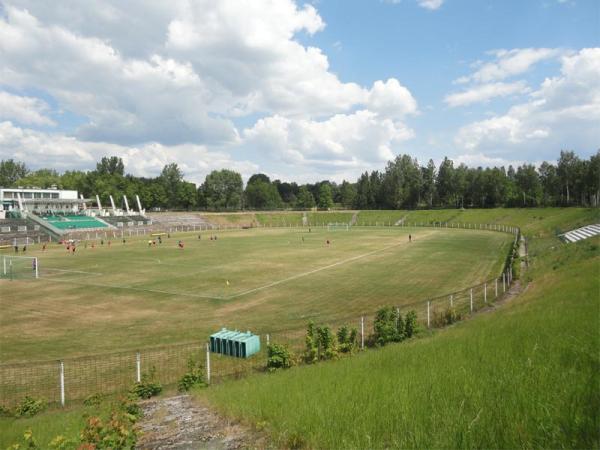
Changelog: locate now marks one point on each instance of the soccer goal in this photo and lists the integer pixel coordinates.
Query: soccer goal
(19, 267)
(338, 226)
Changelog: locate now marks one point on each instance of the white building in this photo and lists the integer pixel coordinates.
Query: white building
(41, 200)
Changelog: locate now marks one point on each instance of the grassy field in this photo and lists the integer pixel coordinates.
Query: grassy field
(526, 375)
(130, 295)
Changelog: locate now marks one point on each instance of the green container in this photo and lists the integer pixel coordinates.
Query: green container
(234, 343)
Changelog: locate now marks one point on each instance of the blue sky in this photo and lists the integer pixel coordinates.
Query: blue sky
(300, 91)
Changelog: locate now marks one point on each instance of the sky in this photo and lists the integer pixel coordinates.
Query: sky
(300, 91)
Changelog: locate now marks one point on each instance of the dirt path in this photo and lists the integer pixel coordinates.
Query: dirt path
(180, 423)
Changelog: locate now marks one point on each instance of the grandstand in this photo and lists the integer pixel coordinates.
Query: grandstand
(41, 214)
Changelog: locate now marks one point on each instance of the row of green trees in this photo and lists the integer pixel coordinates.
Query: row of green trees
(403, 184)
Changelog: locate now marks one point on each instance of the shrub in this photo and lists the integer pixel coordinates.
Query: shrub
(116, 432)
(29, 407)
(347, 339)
(311, 354)
(410, 324)
(93, 399)
(148, 387)
(447, 317)
(279, 357)
(193, 377)
(328, 344)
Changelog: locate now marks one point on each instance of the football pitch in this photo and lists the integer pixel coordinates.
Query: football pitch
(130, 295)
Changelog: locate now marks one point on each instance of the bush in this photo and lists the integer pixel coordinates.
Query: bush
(148, 387)
(194, 377)
(116, 432)
(410, 324)
(94, 399)
(29, 407)
(390, 326)
(278, 357)
(347, 339)
(447, 317)
(328, 344)
(311, 354)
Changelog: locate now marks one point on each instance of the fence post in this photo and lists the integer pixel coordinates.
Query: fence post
(62, 382)
(471, 294)
(267, 339)
(428, 314)
(503, 281)
(484, 292)
(451, 301)
(207, 364)
(496, 287)
(362, 333)
(138, 367)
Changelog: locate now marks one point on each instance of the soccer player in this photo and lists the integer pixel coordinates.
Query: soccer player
(16, 248)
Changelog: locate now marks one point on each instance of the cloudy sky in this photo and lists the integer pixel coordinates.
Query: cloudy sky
(300, 91)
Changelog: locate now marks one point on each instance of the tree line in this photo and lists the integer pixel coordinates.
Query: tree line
(403, 184)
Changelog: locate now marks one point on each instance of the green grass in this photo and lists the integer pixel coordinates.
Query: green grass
(280, 219)
(380, 217)
(525, 376)
(128, 296)
(47, 425)
(323, 217)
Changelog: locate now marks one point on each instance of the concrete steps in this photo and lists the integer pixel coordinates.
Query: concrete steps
(581, 233)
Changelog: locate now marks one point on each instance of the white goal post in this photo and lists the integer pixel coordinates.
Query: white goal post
(19, 267)
(338, 226)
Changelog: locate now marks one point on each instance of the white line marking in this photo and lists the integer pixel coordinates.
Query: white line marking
(71, 271)
(310, 272)
(240, 294)
(133, 288)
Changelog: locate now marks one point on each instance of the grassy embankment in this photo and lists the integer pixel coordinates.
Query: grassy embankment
(524, 376)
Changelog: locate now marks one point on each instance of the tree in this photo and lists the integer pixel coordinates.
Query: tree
(550, 183)
(347, 194)
(528, 182)
(171, 178)
(110, 166)
(566, 171)
(305, 198)
(260, 194)
(428, 179)
(325, 199)
(11, 171)
(446, 186)
(223, 189)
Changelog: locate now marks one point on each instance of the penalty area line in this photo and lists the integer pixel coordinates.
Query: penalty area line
(133, 288)
(310, 272)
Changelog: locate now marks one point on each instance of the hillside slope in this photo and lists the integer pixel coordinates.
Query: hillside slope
(526, 375)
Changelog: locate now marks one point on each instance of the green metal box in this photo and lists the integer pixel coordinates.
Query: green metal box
(234, 343)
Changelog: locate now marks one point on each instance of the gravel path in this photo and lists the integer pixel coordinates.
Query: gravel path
(180, 423)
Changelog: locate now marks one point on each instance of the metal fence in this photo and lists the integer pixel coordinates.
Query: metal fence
(76, 378)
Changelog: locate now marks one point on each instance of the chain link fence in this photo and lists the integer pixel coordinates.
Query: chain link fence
(77, 378)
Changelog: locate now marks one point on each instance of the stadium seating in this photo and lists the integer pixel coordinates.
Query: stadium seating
(73, 221)
(20, 229)
(582, 233)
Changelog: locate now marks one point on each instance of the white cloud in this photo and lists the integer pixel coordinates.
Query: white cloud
(430, 4)
(344, 142)
(26, 110)
(391, 99)
(563, 113)
(175, 88)
(40, 149)
(484, 92)
(509, 63)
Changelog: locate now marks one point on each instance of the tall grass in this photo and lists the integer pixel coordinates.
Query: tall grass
(524, 376)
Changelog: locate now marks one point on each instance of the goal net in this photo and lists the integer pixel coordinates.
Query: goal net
(19, 267)
(338, 226)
